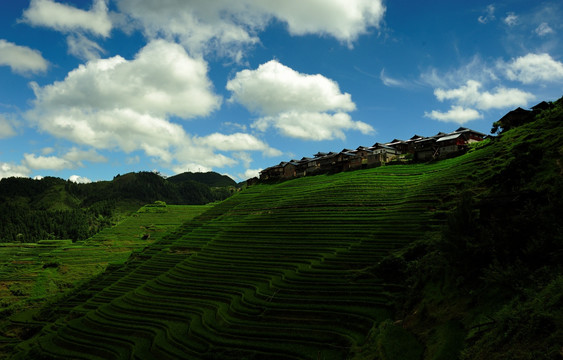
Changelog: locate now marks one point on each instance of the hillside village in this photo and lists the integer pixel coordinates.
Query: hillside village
(420, 148)
(417, 148)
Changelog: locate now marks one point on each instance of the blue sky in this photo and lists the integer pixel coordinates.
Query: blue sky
(94, 88)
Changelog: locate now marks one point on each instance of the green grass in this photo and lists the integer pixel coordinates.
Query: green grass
(278, 271)
(32, 274)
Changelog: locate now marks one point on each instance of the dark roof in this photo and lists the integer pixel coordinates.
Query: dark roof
(428, 139)
(449, 137)
(415, 137)
(516, 113)
(542, 106)
(382, 146)
(439, 135)
(463, 129)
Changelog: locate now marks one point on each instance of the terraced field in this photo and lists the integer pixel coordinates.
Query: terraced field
(278, 271)
(34, 273)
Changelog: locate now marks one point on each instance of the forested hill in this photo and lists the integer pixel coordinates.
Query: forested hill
(53, 208)
(210, 178)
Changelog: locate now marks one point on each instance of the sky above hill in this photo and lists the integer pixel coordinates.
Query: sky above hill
(94, 88)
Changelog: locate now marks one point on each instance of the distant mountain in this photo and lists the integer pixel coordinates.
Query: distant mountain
(211, 179)
(32, 210)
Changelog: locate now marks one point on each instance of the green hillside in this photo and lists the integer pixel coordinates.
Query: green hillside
(34, 273)
(459, 258)
(52, 208)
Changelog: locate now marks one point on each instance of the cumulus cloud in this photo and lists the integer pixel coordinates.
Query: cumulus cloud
(79, 179)
(21, 59)
(312, 125)
(237, 142)
(457, 114)
(46, 162)
(128, 105)
(227, 26)
(116, 103)
(299, 105)
(533, 68)
(162, 79)
(11, 170)
(65, 18)
(471, 95)
(274, 88)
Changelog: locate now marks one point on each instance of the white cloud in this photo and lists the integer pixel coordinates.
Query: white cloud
(21, 59)
(489, 15)
(456, 114)
(275, 88)
(533, 68)
(250, 173)
(312, 125)
(511, 19)
(236, 142)
(79, 179)
(46, 162)
(6, 128)
(544, 29)
(127, 105)
(299, 105)
(344, 20)
(162, 80)
(190, 167)
(471, 95)
(77, 156)
(65, 18)
(83, 48)
(476, 69)
(392, 82)
(11, 170)
(116, 103)
(228, 26)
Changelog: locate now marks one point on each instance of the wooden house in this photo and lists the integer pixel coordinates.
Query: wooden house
(384, 153)
(450, 143)
(424, 149)
(470, 135)
(399, 145)
(272, 172)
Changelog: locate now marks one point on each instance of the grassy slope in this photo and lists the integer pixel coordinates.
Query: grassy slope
(277, 271)
(489, 285)
(295, 270)
(39, 272)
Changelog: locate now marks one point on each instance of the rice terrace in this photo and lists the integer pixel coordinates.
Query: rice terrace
(441, 259)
